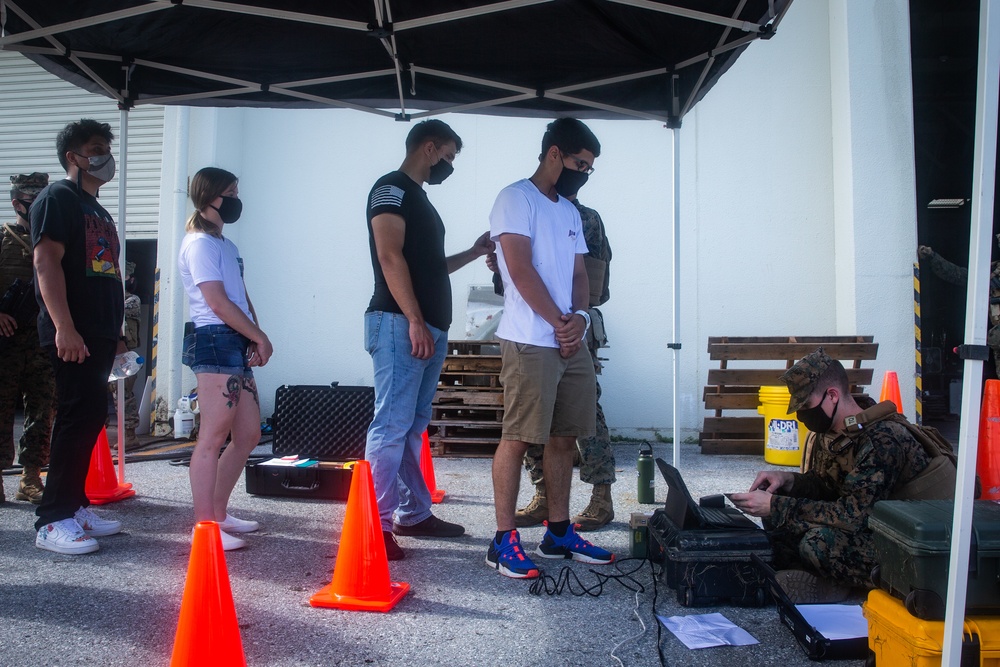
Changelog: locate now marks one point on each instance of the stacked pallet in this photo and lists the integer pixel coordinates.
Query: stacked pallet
(467, 411)
(735, 389)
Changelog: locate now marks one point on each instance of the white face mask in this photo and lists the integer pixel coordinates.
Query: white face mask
(102, 167)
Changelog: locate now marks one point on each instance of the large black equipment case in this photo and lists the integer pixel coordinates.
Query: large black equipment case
(913, 543)
(325, 422)
(708, 566)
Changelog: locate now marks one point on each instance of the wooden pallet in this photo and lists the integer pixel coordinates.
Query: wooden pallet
(737, 388)
(467, 411)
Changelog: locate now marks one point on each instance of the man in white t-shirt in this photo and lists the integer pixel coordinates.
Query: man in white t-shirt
(547, 373)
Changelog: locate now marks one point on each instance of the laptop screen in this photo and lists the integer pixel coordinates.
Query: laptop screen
(681, 508)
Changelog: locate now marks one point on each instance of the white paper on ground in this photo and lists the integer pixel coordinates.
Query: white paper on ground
(835, 621)
(707, 630)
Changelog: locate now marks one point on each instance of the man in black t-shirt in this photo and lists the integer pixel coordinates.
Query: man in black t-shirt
(78, 285)
(406, 328)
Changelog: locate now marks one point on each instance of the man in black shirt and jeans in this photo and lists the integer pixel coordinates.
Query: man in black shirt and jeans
(406, 328)
(78, 285)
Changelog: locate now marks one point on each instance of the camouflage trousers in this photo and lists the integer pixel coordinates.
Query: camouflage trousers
(131, 405)
(597, 460)
(847, 558)
(26, 380)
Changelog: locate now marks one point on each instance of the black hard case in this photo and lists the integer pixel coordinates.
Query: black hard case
(325, 422)
(708, 566)
(815, 644)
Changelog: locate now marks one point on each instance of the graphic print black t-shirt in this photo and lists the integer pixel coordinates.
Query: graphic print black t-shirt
(423, 248)
(74, 218)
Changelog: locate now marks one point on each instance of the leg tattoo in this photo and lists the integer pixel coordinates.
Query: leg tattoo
(232, 393)
(250, 385)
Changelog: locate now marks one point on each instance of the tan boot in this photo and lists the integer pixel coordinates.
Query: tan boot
(30, 487)
(599, 512)
(535, 511)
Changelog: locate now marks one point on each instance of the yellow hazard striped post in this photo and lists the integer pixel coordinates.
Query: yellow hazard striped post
(918, 371)
(154, 343)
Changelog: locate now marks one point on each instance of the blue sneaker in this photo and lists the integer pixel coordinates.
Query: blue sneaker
(509, 559)
(572, 546)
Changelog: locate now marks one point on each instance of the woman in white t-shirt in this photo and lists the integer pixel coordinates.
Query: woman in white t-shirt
(222, 350)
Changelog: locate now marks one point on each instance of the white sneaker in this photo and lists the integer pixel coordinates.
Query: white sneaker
(229, 543)
(65, 537)
(94, 525)
(234, 525)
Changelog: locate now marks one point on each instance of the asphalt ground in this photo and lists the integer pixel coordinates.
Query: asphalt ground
(120, 605)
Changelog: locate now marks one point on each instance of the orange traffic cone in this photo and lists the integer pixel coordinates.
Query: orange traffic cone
(207, 631)
(427, 468)
(102, 481)
(361, 575)
(890, 391)
(988, 459)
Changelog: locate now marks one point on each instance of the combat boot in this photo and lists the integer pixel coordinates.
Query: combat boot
(30, 487)
(535, 511)
(599, 512)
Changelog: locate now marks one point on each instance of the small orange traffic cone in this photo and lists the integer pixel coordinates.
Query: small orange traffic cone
(988, 459)
(102, 481)
(361, 575)
(207, 631)
(890, 391)
(427, 468)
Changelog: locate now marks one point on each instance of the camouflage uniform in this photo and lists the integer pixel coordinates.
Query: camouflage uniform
(958, 275)
(597, 460)
(821, 523)
(25, 370)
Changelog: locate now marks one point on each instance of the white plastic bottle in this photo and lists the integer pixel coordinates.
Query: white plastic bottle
(126, 364)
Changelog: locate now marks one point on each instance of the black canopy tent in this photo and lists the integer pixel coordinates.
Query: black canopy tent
(646, 59)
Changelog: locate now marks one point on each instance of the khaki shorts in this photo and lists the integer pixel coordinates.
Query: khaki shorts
(544, 394)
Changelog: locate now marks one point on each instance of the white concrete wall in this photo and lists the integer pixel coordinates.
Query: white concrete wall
(783, 191)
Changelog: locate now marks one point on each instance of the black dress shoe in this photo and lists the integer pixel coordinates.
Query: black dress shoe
(392, 550)
(429, 527)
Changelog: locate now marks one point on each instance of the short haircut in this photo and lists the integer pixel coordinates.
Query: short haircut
(833, 376)
(571, 136)
(75, 135)
(206, 186)
(432, 130)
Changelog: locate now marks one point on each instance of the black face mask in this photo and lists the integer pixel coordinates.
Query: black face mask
(440, 171)
(570, 181)
(230, 209)
(815, 419)
(27, 208)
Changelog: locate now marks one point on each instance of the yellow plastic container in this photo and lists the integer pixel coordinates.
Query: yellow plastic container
(784, 435)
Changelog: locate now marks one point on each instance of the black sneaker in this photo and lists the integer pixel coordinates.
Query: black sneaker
(392, 549)
(429, 527)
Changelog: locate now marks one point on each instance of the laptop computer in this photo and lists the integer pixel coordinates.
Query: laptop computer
(685, 513)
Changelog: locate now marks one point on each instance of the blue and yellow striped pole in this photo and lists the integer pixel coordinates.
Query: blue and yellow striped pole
(918, 372)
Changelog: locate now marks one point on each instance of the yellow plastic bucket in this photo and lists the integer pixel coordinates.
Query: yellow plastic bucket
(784, 435)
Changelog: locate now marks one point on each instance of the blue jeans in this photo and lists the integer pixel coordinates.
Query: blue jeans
(404, 389)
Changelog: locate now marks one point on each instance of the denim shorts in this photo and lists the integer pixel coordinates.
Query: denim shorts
(217, 348)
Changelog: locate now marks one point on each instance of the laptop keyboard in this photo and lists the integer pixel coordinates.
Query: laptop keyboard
(716, 516)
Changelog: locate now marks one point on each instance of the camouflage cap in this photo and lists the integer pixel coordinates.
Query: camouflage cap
(801, 378)
(29, 184)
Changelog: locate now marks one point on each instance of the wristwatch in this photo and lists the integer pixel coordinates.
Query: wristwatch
(586, 318)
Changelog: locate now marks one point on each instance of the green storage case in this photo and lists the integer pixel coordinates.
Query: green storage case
(913, 542)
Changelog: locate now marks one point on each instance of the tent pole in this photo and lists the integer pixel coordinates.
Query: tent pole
(122, 186)
(675, 345)
(980, 243)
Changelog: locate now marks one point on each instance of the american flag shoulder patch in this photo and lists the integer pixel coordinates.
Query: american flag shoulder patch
(387, 195)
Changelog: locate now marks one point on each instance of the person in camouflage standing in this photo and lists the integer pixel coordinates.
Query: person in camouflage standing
(25, 370)
(818, 520)
(958, 275)
(597, 460)
(133, 314)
